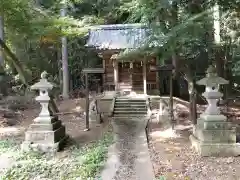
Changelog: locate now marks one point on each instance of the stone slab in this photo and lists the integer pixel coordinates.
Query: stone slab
(46, 137)
(217, 125)
(45, 127)
(216, 136)
(216, 149)
(111, 165)
(144, 167)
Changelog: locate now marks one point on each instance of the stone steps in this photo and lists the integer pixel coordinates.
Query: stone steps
(131, 102)
(131, 99)
(130, 112)
(130, 108)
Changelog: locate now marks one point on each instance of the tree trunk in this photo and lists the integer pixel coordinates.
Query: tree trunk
(15, 61)
(192, 96)
(2, 38)
(60, 77)
(3, 89)
(217, 40)
(65, 92)
(192, 103)
(219, 59)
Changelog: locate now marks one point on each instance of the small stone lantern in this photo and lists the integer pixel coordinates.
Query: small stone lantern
(47, 133)
(213, 135)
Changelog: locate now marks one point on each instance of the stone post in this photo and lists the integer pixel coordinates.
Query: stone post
(213, 135)
(46, 133)
(94, 115)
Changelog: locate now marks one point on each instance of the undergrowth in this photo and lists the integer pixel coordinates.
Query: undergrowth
(82, 163)
(7, 145)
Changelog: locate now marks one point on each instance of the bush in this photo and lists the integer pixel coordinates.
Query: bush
(82, 163)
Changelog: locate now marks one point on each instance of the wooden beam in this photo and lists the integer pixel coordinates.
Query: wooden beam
(167, 67)
(93, 70)
(87, 103)
(171, 102)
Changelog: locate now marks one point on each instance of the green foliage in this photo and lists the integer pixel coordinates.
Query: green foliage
(162, 178)
(33, 30)
(83, 163)
(6, 145)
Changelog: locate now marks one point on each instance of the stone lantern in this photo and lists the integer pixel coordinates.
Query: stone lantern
(213, 135)
(212, 94)
(46, 133)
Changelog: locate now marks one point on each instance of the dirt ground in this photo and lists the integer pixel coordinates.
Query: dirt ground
(75, 124)
(174, 159)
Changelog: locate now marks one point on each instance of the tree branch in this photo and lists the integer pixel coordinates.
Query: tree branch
(16, 62)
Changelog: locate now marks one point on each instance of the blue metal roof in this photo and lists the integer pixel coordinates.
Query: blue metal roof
(117, 36)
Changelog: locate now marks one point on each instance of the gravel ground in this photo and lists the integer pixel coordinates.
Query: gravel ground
(126, 136)
(174, 159)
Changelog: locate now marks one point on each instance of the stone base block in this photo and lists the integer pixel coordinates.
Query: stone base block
(95, 118)
(207, 117)
(215, 149)
(45, 120)
(45, 136)
(238, 133)
(28, 146)
(216, 135)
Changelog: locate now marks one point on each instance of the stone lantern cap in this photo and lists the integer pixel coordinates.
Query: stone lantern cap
(212, 79)
(43, 84)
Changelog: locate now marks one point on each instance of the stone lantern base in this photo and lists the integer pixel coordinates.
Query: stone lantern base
(212, 137)
(45, 135)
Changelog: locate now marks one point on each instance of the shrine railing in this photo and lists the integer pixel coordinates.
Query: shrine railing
(151, 86)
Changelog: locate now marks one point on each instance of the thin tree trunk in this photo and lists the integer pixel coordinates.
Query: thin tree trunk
(65, 92)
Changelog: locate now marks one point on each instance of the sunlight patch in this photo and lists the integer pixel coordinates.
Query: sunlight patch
(168, 133)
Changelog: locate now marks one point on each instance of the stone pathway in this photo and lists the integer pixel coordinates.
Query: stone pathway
(129, 158)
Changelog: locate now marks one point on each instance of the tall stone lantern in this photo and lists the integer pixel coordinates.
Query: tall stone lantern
(213, 135)
(46, 133)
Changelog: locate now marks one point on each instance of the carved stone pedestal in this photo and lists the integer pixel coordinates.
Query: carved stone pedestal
(45, 136)
(215, 138)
